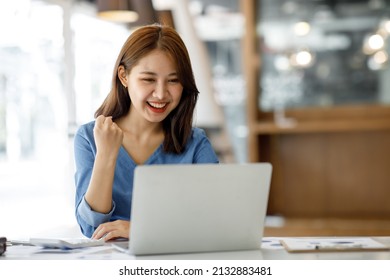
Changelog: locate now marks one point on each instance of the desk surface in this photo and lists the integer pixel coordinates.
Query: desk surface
(270, 251)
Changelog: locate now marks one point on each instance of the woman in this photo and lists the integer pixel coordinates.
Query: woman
(145, 119)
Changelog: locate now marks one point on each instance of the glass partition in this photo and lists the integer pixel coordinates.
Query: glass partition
(323, 53)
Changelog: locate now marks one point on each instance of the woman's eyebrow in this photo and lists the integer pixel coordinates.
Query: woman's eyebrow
(155, 74)
(148, 73)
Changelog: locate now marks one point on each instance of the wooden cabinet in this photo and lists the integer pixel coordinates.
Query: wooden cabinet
(329, 162)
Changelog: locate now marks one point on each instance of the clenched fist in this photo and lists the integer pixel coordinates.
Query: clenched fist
(108, 137)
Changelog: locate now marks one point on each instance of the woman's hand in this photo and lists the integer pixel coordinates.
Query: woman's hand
(108, 136)
(112, 230)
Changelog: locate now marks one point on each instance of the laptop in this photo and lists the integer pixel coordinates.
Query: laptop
(198, 208)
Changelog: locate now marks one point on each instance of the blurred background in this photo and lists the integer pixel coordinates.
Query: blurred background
(303, 84)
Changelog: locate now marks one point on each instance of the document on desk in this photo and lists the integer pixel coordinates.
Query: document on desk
(66, 243)
(297, 245)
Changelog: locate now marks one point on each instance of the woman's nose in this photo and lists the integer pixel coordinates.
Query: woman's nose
(160, 91)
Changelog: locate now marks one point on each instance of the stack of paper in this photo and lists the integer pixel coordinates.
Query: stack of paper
(296, 245)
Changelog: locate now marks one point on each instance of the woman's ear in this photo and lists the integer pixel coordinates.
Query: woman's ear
(122, 75)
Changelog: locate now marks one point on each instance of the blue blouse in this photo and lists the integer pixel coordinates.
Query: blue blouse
(198, 150)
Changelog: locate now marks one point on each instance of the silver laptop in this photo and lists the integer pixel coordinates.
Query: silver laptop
(198, 208)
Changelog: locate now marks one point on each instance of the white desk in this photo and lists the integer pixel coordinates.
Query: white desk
(107, 252)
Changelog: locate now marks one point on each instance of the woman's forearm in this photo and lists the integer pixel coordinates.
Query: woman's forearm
(99, 193)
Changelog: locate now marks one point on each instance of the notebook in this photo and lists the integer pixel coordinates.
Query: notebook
(198, 208)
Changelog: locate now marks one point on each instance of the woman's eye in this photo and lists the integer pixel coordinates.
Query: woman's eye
(148, 80)
(174, 81)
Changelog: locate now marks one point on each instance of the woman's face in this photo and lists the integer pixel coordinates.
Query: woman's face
(154, 87)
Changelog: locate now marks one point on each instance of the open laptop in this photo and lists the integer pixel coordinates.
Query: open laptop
(198, 208)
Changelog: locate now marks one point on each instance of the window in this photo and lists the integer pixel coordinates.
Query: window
(53, 56)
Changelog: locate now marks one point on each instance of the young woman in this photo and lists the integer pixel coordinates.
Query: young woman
(145, 119)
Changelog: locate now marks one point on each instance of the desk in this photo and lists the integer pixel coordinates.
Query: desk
(107, 252)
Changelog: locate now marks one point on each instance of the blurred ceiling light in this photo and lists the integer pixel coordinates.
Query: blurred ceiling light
(378, 61)
(121, 11)
(386, 25)
(302, 28)
(376, 42)
(302, 59)
(381, 57)
(373, 43)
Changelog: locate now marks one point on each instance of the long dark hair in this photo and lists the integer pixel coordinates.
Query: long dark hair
(177, 125)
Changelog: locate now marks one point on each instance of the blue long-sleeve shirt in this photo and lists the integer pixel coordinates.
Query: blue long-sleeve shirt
(198, 150)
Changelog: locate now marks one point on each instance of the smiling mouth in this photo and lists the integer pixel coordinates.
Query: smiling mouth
(157, 107)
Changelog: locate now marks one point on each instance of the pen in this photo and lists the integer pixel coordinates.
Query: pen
(18, 242)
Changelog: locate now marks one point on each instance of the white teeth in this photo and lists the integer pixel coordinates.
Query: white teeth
(157, 105)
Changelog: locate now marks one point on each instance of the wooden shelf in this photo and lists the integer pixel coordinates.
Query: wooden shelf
(293, 127)
(330, 227)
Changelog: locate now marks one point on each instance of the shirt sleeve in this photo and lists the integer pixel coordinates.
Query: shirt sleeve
(84, 153)
(90, 217)
(204, 152)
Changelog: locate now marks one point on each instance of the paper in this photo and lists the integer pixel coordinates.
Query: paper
(296, 245)
(66, 243)
(271, 243)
